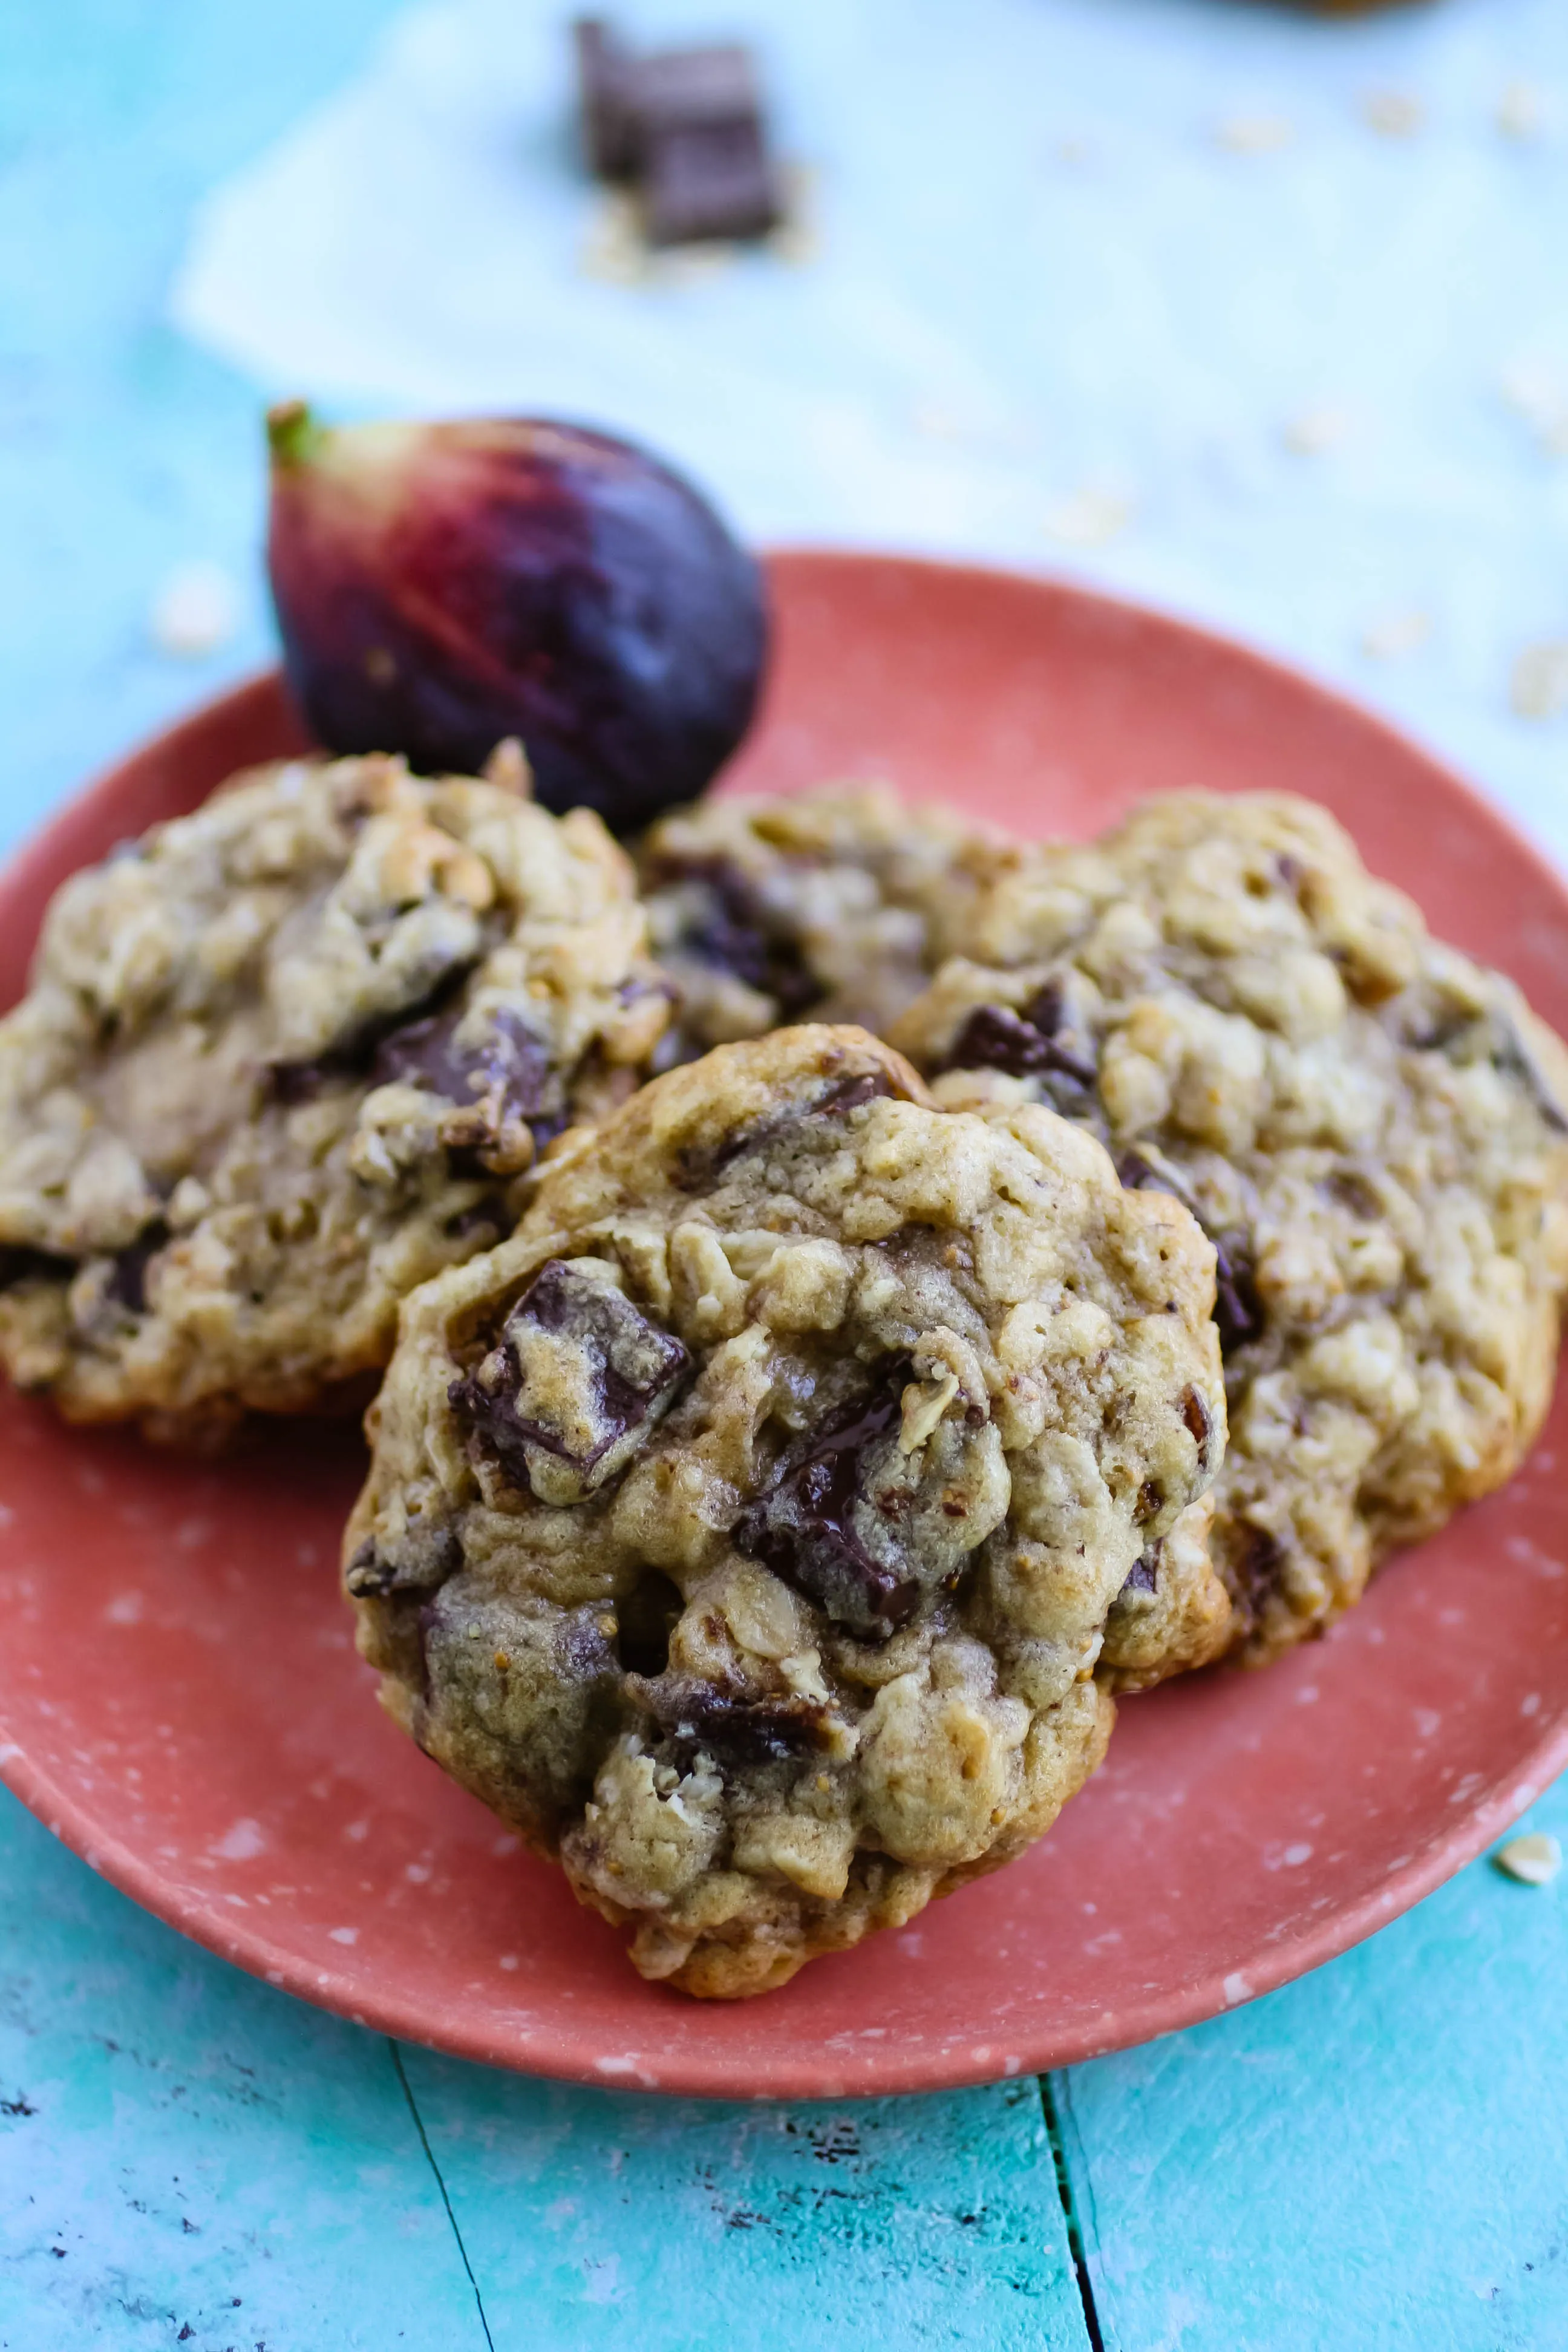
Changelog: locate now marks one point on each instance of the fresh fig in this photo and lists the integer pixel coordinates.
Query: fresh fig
(440, 587)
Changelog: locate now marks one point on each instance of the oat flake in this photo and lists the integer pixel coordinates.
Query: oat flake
(1534, 1859)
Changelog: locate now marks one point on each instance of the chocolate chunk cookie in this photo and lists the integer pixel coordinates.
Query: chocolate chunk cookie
(838, 903)
(283, 1059)
(1373, 1130)
(744, 1529)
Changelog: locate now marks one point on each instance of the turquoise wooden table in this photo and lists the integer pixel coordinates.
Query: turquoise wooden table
(1377, 2156)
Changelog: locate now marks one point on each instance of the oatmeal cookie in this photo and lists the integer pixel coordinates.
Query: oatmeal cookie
(839, 903)
(1373, 1129)
(744, 1528)
(283, 1059)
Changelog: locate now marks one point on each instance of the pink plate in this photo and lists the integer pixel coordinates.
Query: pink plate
(179, 1698)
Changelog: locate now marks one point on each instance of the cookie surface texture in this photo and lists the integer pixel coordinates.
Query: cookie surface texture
(838, 904)
(744, 1529)
(1373, 1129)
(284, 1058)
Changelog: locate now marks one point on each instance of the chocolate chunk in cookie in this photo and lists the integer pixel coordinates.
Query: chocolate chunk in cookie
(837, 903)
(578, 1380)
(831, 1524)
(995, 1037)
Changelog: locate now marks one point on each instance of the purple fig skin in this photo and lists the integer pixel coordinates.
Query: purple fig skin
(441, 586)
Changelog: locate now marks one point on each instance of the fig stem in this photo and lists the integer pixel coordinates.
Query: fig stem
(292, 433)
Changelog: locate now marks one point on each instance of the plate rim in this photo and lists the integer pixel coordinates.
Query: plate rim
(557, 2052)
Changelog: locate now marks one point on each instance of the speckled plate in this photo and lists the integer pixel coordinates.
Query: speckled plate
(179, 1694)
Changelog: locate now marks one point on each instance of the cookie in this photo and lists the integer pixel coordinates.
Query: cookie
(744, 1530)
(838, 903)
(1373, 1129)
(283, 1059)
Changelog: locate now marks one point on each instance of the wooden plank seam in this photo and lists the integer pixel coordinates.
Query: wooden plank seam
(1054, 2132)
(441, 2185)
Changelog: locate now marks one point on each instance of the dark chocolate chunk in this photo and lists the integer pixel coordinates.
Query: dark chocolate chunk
(1196, 1413)
(1255, 1560)
(995, 1038)
(579, 1378)
(1356, 1193)
(127, 1284)
(606, 93)
(735, 1727)
(686, 124)
(1151, 1501)
(696, 88)
(488, 1216)
(291, 1082)
(1140, 1175)
(699, 1167)
(804, 1529)
(1467, 1036)
(509, 1063)
(350, 1061)
(1430, 1022)
(19, 1264)
(486, 1401)
(425, 1560)
(731, 931)
(1143, 1576)
(1512, 1055)
(582, 1651)
(708, 180)
(705, 167)
(848, 1094)
(1238, 1307)
(1426, 1031)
